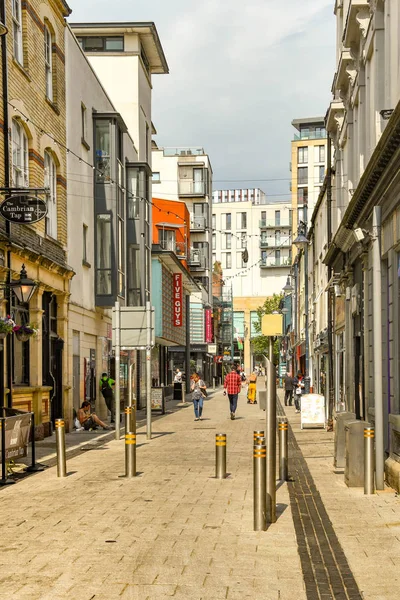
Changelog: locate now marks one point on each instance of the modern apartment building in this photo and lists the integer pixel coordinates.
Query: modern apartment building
(251, 239)
(185, 174)
(308, 166)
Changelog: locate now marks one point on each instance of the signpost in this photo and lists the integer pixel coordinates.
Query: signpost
(23, 209)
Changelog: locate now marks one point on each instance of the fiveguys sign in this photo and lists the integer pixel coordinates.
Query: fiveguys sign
(178, 300)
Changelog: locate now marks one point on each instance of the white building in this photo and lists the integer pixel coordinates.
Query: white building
(252, 240)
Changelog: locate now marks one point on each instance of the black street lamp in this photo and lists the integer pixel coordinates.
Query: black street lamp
(24, 288)
(301, 242)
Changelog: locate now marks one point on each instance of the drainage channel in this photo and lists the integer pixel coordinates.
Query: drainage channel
(326, 571)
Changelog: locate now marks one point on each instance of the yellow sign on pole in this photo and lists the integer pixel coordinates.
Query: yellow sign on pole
(272, 325)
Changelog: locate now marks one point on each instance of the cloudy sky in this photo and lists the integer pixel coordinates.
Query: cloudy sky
(240, 71)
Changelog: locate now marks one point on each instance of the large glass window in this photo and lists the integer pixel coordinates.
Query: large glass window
(104, 255)
(198, 181)
(50, 181)
(137, 183)
(227, 221)
(277, 217)
(17, 31)
(302, 175)
(20, 364)
(102, 44)
(20, 155)
(319, 154)
(227, 241)
(103, 151)
(241, 220)
(214, 222)
(134, 276)
(214, 242)
(48, 61)
(302, 155)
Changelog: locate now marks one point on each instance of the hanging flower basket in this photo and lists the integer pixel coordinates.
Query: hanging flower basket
(6, 326)
(24, 332)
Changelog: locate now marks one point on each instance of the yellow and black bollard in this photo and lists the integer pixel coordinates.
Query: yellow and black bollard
(260, 487)
(283, 429)
(369, 439)
(258, 437)
(130, 455)
(220, 455)
(60, 444)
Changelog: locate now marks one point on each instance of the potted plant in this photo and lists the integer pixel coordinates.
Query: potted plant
(6, 326)
(25, 331)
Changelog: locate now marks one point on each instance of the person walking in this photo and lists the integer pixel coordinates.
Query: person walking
(198, 389)
(252, 389)
(289, 386)
(232, 387)
(298, 391)
(106, 388)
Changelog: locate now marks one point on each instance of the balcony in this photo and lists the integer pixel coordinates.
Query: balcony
(178, 248)
(270, 262)
(273, 224)
(272, 242)
(310, 135)
(198, 223)
(198, 259)
(189, 187)
(184, 151)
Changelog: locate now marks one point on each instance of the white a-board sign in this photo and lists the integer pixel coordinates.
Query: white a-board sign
(312, 410)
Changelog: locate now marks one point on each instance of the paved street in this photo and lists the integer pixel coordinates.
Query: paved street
(175, 531)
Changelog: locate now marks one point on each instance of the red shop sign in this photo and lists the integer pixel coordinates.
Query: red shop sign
(208, 326)
(177, 300)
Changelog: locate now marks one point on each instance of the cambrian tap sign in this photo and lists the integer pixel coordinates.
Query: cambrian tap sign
(178, 300)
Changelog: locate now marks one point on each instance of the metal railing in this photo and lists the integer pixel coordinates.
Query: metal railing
(272, 223)
(273, 242)
(189, 151)
(311, 135)
(198, 223)
(189, 187)
(275, 262)
(197, 258)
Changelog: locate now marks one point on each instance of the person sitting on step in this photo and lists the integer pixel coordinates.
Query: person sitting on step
(89, 420)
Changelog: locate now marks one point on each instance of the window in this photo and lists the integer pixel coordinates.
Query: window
(166, 239)
(103, 255)
(319, 174)
(304, 133)
(137, 191)
(240, 264)
(214, 242)
(83, 122)
(302, 175)
(134, 276)
(102, 44)
(17, 30)
(302, 155)
(48, 61)
(156, 177)
(84, 240)
(213, 222)
(300, 216)
(264, 216)
(227, 221)
(226, 260)
(103, 149)
(198, 181)
(319, 154)
(145, 60)
(50, 181)
(227, 241)
(302, 195)
(243, 241)
(277, 257)
(20, 155)
(20, 363)
(320, 132)
(277, 238)
(277, 217)
(241, 220)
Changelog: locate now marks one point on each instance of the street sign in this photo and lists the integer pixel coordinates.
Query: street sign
(212, 348)
(23, 209)
(133, 327)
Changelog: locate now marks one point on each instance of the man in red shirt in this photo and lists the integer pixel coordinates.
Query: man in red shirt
(232, 387)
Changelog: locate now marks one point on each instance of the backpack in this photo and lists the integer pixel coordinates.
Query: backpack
(105, 387)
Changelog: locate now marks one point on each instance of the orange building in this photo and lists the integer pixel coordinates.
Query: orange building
(171, 227)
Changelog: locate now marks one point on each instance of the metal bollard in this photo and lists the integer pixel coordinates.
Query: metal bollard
(369, 438)
(213, 383)
(183, 393)
(60, 444)
(271, 441)
(258, 436)
(260, 487)
(130, 455)
(283, 429)
(220, 455)
(129, 427)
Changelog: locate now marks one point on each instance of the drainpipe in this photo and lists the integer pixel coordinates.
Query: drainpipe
(331, 391)
(377, 346)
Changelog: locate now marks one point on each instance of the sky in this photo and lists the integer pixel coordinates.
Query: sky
(240, 71)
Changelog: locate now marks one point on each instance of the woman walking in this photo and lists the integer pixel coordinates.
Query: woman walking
(198, 389)
(252, 389)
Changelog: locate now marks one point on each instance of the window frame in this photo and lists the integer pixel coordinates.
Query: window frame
(18, 45)
(50, 181)
(48, 61)
(20, 170)
(302, 155)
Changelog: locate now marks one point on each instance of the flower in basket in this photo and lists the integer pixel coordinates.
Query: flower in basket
(6, 324)
(27, 329)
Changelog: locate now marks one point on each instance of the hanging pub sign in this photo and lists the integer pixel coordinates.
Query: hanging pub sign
(23, 209)
(178, 300)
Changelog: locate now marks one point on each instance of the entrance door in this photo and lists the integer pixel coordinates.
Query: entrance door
(76, 370)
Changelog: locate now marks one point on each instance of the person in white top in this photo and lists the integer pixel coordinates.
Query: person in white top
(178, 376)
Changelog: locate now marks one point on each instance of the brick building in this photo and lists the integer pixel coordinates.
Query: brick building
(33, 155)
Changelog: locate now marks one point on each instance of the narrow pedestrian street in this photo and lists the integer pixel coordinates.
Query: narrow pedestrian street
(176, 531)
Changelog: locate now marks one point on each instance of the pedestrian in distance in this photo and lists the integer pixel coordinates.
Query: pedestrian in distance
(290, 383)
(298, 391)
(252, 389)
(106, 388)
(178, 376)
(199, 392)
(89, 420)
(232, 387)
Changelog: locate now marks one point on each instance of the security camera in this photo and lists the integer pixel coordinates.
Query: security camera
(358, 234)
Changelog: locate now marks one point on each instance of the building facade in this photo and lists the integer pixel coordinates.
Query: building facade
(33, 163)
(251, 238)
